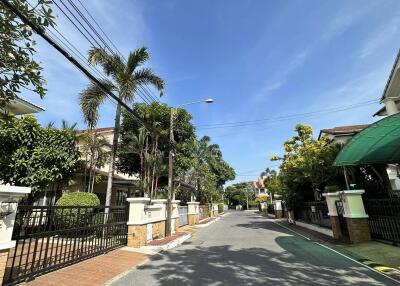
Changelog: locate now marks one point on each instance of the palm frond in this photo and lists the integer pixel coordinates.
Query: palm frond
(136, 59)
(90, 100)
(112, 64)
(146, 76)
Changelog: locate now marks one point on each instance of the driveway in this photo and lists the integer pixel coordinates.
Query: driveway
(245, 249)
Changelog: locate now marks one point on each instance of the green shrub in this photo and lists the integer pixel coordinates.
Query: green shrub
(75, 217)
(220, 208)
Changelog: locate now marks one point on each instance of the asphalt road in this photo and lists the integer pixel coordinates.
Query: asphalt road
(245, 249)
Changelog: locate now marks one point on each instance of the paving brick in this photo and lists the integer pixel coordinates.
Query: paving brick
(94, 271)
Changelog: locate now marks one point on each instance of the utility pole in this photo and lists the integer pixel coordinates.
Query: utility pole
(171, 193)
(168, 227)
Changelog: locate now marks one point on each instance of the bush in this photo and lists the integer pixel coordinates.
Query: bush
(220, 208)
(68, 217)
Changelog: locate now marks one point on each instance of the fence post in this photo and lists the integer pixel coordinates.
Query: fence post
(331, 199)
(175, 215)
(146, 221)
(9, 196)
(356, 218)
(193, 213)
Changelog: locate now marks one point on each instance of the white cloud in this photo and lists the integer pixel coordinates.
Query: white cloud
(385, 34)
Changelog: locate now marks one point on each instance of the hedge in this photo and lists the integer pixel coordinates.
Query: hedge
(68, 218)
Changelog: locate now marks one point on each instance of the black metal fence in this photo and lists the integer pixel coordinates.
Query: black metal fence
(50, 237)
(384, 218)
(271, 209)
(313, 212)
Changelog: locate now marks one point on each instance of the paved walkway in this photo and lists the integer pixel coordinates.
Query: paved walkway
(92, 272)
(245, 249)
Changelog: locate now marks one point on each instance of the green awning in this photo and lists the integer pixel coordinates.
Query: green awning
(379, 143)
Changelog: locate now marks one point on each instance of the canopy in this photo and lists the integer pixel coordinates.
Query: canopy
(377, 144)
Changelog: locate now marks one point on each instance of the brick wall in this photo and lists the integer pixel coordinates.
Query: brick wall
(193, 219)
(358, 229)
(137, 235)
(3, 262)
(159, 229)
(335, 224)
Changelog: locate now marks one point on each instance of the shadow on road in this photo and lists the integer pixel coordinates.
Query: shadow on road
(222, 265)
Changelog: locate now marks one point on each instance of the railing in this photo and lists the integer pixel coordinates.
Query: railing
(384, 218)
(271, 209)
(313, 213)
(50, 237)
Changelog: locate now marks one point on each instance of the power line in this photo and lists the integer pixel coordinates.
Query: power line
(71, 59)
(101, 39)
(284, 118)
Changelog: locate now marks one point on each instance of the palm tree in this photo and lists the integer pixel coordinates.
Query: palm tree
(126, 77)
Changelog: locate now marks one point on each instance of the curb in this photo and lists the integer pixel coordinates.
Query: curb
(172, 244)
(208, 223)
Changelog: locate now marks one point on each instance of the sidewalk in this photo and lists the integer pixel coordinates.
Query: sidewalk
(92, 272)
(378, 255)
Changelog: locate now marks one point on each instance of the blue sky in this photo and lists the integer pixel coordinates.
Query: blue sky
(256, 59)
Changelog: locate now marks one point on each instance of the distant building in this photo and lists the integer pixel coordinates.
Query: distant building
(259, 187)
(342, 134)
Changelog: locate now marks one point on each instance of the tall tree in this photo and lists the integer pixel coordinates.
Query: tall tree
(127, 77)
(307, 164)
(18, 69)
(35, 156)
(150, 162)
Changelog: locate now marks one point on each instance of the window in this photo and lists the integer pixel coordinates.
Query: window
(121, 197)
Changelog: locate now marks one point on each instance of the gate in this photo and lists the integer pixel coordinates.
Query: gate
(342, 219)
(183, 215)
(51, 237)
(384, 218)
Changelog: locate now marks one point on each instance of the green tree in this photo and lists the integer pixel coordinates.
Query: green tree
(127, 77)
(212, 171)
(18, 69)
(35, 156)
(144, 152)
(306, 165)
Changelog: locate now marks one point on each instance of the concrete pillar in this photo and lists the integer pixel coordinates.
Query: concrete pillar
(278, 209)
(331, 199)
(214, 210)
(391, 107)
(356, 218)
(193, 213)
(9, 196)
(175, 215)
(141, 213)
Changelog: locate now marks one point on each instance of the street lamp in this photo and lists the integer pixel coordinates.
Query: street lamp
(170, 195)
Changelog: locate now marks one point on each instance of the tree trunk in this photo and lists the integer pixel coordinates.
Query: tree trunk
(113, 155)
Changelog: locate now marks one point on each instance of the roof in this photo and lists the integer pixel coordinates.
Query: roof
(379, 143)
(101, 130)
(19, 106)
(344, 130)
(391, 76)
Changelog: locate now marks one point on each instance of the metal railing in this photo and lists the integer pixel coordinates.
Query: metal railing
(384, 218)
(271, 209)
(51, 237)
(313, 213)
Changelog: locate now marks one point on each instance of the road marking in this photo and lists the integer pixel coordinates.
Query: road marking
(339, 253)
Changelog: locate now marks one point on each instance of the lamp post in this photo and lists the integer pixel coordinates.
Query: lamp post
(170, 194)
